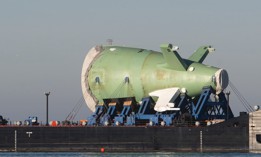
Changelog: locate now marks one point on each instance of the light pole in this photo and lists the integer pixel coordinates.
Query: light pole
(47, 94)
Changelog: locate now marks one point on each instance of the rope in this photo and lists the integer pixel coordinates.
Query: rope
(118, 91)
(123, 90)
(244, 102)
(75, 109)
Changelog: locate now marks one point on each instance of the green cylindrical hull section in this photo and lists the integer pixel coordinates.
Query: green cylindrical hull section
(126, 72)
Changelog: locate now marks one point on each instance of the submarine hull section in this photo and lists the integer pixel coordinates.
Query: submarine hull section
(115, 72)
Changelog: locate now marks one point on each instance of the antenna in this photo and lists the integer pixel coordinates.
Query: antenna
(109, 41)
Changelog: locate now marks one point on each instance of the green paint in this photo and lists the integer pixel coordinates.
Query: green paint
(147, 72)
(200, 54)
(172, 58)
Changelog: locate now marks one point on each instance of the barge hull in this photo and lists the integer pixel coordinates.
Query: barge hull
(122, 139)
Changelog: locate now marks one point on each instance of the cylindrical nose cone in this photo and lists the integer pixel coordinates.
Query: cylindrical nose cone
(221, 80)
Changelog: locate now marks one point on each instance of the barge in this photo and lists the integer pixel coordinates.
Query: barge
(144, 100)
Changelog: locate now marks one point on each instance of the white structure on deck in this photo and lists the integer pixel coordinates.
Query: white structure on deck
(255, 132)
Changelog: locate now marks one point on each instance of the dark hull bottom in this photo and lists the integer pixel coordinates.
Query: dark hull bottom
(122, 139)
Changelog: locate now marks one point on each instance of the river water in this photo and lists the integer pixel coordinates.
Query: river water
(154, 154)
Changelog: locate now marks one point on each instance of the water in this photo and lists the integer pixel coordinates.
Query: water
(154, 154)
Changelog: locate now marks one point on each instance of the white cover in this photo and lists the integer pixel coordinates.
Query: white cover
(164, 97)
(87, 94)
(221, 80)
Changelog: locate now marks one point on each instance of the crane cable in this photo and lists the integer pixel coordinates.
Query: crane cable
(244, 102)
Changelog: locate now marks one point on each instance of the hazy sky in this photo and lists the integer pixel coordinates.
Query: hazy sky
(43, 45)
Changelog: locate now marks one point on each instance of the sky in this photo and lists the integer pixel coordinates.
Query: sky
(43, 45)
